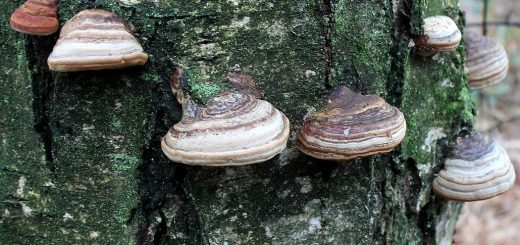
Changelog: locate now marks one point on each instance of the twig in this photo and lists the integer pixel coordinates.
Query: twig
(484, 17)
(497, 23)
(500, 123)
(485, 22)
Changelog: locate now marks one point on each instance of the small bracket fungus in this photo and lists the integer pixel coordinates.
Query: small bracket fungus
(352, 126)
(235, 129)
(36, 17)
(476, 169)
(95, 40)
(441, 34)
(486, 60)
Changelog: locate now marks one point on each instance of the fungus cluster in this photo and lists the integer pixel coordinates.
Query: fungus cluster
(237, 128)
(352, 126)
(234, 129)
(486, 60)
(95, 40)
(476, 169)
(36, 17)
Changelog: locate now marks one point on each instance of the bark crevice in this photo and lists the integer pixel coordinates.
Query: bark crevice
(328, 15)
(400, 52)
(38, 49)
(164, 203)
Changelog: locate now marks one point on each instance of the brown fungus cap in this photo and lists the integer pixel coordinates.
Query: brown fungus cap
(36, 17)
(352, 126)
(441, 34)
(234, 129)
(486, 60)
(96, 40)
(476, 169)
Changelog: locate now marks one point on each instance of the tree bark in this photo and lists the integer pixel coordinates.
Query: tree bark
(80, 158)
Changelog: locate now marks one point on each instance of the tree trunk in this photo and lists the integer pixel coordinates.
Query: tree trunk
(80, 159)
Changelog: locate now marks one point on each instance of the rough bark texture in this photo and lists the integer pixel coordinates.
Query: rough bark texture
(80, 160)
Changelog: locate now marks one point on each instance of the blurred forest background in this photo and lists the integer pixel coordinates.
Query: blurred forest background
(497, 221)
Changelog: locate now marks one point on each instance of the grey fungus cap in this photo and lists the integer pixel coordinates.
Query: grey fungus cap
(234, 129)
(476, 169)
(486, 60)
(352, 126)
(441, 34)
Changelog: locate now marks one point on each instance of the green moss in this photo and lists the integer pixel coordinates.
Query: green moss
(123, 162)
(355, 55)
(117, 124)
(205, 90)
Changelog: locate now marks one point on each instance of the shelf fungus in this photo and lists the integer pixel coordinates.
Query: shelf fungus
(486, 60)
(234, 129)
(441, 34)
(36, 17)
(96, 40)
(352, 126)
(476, 169)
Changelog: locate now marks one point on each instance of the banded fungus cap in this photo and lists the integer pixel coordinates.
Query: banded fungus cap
(441, 34)
(234, 129)
(486, 60)
(352, 126)
(36, 17)
(96, 39)
(476, 169)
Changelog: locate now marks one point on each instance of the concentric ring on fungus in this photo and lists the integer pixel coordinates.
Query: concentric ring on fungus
(476, 169)
(96, 39)
(36, 17)
(234, 129)
(441, 34)
(486, 60)
(352, 126)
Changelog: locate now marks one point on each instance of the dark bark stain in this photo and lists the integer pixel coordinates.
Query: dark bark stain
(412, 185)
(424, 221)
(38, 49)
(328, 15)
(161, 183)
(380, 231)
(400, 52)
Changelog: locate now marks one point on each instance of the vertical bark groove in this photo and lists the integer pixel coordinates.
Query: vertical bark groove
(328, 15)
(42, 83)
(400, 52)
(161, 181)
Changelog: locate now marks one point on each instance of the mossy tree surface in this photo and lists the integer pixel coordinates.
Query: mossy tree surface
(80, 159)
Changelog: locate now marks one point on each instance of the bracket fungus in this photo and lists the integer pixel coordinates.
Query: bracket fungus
(36, 17)
(234, 129)
(95, 40)
(486, 60)
(476, 169)
(441, 34)
(352, 126)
